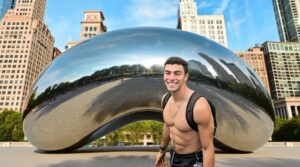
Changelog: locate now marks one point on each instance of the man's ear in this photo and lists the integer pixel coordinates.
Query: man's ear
(186, 77)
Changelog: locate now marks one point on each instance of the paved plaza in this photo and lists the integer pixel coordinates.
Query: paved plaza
(93, 157)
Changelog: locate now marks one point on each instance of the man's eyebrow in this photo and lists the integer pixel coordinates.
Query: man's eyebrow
(173, 71)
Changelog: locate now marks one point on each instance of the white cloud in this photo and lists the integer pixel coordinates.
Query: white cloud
(234, 24)
(250, 20)
(222, 7)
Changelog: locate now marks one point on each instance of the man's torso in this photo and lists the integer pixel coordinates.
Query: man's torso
(184, 139)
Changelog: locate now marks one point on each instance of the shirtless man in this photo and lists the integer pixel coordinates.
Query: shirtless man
(190, 147)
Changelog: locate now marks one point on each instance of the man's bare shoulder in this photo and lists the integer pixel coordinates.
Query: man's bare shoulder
(202, 111)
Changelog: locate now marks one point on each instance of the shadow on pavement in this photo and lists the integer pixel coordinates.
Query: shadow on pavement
(106, 149)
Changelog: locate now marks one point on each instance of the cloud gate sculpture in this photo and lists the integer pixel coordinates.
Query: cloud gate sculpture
(115, 79)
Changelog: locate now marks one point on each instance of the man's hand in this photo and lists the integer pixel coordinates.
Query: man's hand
(160, 158)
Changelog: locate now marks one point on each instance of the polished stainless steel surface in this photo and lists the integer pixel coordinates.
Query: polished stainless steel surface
(116, 78)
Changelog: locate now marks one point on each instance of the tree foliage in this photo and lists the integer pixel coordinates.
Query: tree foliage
(11, 127)
(287, 130)
(132, 134)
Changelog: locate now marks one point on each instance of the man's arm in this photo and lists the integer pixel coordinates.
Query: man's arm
(204, 119)
(165, 131)
(164, 141)
(165, 137)
(163, 145)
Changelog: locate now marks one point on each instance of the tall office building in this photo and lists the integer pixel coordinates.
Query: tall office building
(240, 76)
(283, 67)
(193, 64)
(210, 26)
(287, 13)
(5, 5)
(254, 57)
(26, 48)
(91, 25)
(219, 69)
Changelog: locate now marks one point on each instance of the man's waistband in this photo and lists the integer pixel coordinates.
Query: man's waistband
(198, 154)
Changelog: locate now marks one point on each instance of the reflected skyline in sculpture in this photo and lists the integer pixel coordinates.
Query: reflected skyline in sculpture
(116, 78)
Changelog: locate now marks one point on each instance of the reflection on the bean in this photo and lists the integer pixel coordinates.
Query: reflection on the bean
(116, 78)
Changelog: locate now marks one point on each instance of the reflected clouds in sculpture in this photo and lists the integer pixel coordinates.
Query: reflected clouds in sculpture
(115, 78)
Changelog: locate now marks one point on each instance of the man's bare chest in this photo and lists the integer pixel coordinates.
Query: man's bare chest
(176, 118)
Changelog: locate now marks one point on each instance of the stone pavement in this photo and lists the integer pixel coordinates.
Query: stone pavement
(91, 157)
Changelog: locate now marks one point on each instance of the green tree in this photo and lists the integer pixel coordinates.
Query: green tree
(111, 139)
(288, 131)
(156, 129)
(137, 130)
(279, 122)
(132, 133)
(11, 127)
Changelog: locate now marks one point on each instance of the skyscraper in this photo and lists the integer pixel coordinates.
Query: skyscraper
(210, 26)
(91, 25)
(255, 58)
(222, 73)
(26, 48)
(287, 13)
(283, 66)
(193, 64)
(5, 5)
(238, 73)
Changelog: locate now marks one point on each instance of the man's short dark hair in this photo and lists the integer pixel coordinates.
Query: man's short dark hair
(179, 61)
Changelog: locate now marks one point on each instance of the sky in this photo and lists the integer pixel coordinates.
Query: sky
(248, 22)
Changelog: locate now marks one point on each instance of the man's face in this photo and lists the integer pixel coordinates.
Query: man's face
(174, 77)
